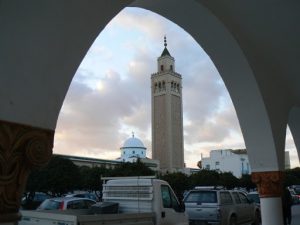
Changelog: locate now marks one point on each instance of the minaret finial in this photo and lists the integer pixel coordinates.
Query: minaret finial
(165, 41)
(132, 134)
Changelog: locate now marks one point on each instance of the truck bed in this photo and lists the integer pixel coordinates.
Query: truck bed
(79, 217)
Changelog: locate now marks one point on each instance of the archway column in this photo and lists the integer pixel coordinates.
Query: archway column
(22, 148)
(269, 186)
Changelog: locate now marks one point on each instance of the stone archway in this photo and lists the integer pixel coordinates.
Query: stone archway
(39, 67)
(262, 119)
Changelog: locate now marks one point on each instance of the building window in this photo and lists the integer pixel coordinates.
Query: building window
(164, 85)
(217, 163)
(161, 67)
(207, 167)
(173, 86)
(133, 152)
(171, 67)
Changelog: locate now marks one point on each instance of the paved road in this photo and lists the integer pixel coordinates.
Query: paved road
(295, 215)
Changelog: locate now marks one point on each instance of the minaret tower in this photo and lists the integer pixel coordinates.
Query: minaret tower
(167, 125)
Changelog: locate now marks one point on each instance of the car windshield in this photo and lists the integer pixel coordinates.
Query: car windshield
(84, 195)
(49, 204)
(200, 197)
(297, 191)
(254, 197)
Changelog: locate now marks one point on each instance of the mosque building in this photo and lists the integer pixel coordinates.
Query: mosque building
(132, 150)
(167, 125)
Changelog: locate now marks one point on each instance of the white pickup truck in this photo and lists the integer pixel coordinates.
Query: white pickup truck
(140, 200)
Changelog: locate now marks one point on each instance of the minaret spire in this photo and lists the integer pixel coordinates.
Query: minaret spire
(165, 41)
(165, 51)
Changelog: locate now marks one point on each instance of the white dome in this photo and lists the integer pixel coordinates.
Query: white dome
(133, 143)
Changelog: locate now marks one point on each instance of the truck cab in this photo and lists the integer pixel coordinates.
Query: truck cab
(146, 195)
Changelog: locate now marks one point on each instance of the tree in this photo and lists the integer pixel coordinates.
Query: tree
(179, 182)
(199, 164)
(91, 179)
(292, 177)
(228, 180)
(294, 172)
(205, 178)
(246, 182)
(132, 169)
(58, 177)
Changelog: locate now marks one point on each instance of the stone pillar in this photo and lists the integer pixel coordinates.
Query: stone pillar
(270, 186)
(22, 148)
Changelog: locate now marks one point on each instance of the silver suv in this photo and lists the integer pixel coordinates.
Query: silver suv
(220, 207)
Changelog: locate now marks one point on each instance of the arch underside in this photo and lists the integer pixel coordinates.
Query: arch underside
(48, 57)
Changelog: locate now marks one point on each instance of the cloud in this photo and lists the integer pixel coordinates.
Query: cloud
(110, 93)
(103, 106)
(148, 23)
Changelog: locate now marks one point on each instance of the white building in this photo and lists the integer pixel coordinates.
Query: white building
(132, 149)
(228, 160)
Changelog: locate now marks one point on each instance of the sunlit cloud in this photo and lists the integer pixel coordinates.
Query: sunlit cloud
(110, 97)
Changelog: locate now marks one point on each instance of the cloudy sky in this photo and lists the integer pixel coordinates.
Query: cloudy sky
(110, 93)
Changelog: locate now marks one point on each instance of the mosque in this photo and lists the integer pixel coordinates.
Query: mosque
(167, 125)
(253, 44)
(132, 150)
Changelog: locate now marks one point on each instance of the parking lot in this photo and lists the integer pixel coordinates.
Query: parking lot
(295, 215)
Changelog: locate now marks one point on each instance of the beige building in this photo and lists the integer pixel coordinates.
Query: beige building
(167, 125)
(132, 150)
(90, 162)
(108, 164)
(287, 161)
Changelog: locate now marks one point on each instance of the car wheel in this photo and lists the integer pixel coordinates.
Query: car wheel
(232, 220)
(257, 218)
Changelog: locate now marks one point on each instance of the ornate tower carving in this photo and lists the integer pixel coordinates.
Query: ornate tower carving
(167, 125)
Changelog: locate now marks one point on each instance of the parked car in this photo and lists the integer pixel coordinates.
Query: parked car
(254, 196)
(220, 207)
(295, 197)
(295, 192)
(84, 195)
(32, 201)
(65, 203)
